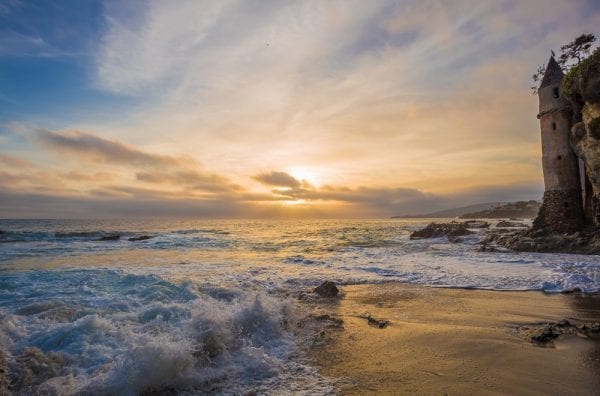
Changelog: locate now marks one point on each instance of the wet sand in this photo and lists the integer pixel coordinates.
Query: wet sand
(454, 341)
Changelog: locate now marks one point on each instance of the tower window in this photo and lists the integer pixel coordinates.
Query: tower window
(556, 92)
(566, 204)
(559, 157)
(554, 126)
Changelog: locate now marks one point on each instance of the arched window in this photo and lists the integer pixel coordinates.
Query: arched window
(556, 92)
(554, 126)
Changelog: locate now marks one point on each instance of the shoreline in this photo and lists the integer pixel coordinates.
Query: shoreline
(457, 341)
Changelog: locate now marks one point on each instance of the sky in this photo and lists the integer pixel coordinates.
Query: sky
(272, 109)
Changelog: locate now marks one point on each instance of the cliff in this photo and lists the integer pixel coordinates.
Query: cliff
(520, 209)
(581, 87)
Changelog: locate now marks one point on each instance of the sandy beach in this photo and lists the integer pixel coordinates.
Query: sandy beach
(456, 341)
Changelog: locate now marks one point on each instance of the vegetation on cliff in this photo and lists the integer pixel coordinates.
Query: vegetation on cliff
(582, 82)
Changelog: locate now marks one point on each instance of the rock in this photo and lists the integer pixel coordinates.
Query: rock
(581, 87)
(110, 238)
(327, 289)
(455, 239)
(477, 224)
(546, 335)
(595, 328)
(564, 323)
(379, 323)
(505, 224)
(436, 230)
(140, 238)
(332, 321)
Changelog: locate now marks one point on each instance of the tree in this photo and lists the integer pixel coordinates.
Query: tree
(571, 54)
(577, 49)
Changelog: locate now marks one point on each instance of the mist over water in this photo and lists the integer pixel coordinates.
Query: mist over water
(207, 305)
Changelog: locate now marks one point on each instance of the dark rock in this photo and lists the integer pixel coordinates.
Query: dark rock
(564, 323)
(332, 321)
(477, 224)
(110, 238)
(545, 240)
(379, 323)
(436, 230)
(327, 289)
(595, 328)
(140, 238)
(455, 239)
(504, 224)
(546, 335)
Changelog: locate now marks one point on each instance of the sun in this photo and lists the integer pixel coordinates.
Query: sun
(303, 173)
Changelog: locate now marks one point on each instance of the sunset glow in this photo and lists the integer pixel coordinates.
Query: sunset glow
(237, 109)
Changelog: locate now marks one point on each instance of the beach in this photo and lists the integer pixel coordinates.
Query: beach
(456, 341)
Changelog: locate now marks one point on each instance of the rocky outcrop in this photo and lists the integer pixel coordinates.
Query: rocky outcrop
(545, 334)
(437, 230)
(584, 242)
(510, 224)
(327, 289)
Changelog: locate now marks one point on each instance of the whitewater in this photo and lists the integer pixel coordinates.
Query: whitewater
(208, 306)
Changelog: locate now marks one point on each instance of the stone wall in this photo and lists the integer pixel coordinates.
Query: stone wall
(561, 212)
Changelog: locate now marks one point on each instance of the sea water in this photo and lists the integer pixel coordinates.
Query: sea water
(209, 306)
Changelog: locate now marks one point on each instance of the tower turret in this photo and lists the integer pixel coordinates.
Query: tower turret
(562, 208)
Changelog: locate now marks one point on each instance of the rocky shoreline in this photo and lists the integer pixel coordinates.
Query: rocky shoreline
(515, 236)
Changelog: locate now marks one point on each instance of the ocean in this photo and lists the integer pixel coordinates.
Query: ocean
(210, 306)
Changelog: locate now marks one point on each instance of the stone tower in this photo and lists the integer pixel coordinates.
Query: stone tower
(562, 208)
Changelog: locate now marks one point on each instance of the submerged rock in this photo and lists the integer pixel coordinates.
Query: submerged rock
(436, 230)
(110, 238)
(140, 238)
(327, 289)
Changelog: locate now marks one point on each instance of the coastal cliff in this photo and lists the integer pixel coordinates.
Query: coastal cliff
(581, 87)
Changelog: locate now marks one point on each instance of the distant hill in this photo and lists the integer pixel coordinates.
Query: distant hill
(455, 212)
(520, 209)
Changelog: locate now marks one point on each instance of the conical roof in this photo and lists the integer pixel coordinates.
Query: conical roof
(553, 74)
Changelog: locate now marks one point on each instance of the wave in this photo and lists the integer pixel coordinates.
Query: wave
(129, 334)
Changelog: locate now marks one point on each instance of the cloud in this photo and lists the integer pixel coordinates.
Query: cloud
(86, 146)
(278, 179)
(15, 162)
(190, 178)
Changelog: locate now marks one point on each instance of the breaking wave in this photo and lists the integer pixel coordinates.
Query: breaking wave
(128, 334)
